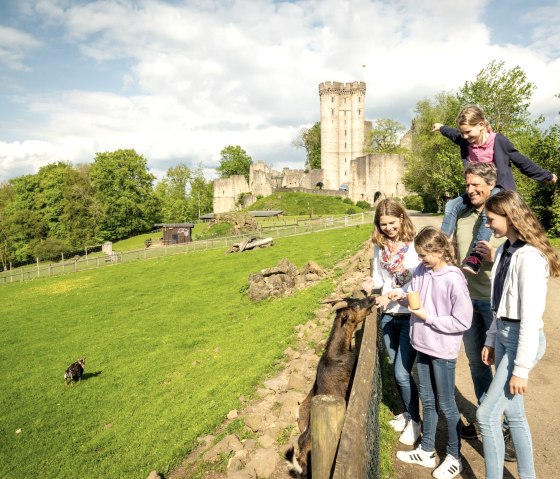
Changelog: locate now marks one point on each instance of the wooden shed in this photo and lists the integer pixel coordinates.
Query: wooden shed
(176, 233)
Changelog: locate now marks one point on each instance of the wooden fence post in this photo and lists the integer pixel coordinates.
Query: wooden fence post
(327, 419)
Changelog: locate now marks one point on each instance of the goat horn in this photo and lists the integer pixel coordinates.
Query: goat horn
(332, 301)
(340, 305)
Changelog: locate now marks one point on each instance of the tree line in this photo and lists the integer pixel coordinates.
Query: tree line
(63, 209)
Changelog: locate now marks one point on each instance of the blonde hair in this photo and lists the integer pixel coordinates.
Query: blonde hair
(389, 207)
(432, 240)
(471, 115)
(527, 227)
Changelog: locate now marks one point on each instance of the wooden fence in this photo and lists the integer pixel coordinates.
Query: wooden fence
(76, 264)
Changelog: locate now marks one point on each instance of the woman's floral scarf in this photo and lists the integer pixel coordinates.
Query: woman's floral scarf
(392, 259)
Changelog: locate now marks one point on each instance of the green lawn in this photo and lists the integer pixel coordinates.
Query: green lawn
(170, 345)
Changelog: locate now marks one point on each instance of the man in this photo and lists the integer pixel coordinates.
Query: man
(480, 179)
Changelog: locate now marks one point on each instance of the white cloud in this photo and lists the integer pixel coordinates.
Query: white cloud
(14, 44)
(198, 76)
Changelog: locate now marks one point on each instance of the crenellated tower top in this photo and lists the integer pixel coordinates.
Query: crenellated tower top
(349, 88)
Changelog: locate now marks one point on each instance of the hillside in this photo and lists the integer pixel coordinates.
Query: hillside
(293, 204)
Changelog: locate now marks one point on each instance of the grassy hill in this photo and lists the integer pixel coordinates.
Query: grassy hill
(171, 344)
(294, 204)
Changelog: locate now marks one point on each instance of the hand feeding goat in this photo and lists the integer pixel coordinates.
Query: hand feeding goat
(75, 371)
(334, 372)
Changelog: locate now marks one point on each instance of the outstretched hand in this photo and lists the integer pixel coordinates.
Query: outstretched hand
(437, 126)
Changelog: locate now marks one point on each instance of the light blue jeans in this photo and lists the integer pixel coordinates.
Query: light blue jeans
(436, 378)
(498, 401)
(474, 339)
(396, 336)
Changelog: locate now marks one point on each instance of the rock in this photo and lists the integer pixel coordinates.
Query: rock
(227, 444)
(279, 383)
(232, 414)
(154, 475)
(263, 462)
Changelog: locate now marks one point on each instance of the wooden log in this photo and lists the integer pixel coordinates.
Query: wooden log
(327, 419)
(256, 243)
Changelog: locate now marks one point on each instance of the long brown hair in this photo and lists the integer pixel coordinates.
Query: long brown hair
(389, 207)
(527, 227)
(432, 240)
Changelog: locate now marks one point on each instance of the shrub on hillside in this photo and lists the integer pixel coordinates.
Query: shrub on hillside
(363, 204)
(414, 202)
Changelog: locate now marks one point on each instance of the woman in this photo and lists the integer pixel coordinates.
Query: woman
(394, 261)
(515, 341)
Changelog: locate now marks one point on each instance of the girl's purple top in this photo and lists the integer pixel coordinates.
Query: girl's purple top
(446, 299)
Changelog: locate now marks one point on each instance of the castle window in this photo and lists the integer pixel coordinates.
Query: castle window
(332, 99)
(345, 147)
(359, 112)
(332, 111)
(359, 99)
(345, 131)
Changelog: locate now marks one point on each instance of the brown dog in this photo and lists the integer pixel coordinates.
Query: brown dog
(334, 372)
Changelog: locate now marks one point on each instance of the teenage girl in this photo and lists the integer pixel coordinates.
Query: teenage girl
(479, 144)
(436, 332)
(515, 341)
(394, 261)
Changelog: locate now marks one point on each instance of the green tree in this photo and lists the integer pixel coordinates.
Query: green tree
(184, 194)
(234, 160)
(173, 194)
(310, 139)
(504, 95)
(434, 167)
(82, 213)
(201, 195)
(124, 189)
(384, 137)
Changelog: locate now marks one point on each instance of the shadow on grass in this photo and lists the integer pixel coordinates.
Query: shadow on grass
(87, 376)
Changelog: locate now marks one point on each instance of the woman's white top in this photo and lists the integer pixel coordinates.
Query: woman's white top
(523, 298)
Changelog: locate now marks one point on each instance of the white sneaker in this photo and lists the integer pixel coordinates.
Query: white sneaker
(410, 433)
(398, 423)
(418, 456)
(448, 469)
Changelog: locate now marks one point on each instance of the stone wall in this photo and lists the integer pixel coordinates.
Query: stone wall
(227, 191)
(377, 173)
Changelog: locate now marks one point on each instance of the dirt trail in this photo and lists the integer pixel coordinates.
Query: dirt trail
(541, 403)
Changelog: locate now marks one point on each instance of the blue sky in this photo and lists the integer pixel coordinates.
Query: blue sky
(180, 80)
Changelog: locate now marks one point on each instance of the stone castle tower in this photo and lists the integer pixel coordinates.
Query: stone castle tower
(342, 130)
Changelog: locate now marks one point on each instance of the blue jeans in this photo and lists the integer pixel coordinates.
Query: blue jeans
(455, 208)
(437, 387)
(396, 335)
(474, 339)
(499, 401)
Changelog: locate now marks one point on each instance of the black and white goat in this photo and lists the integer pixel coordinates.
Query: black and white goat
(75, 371)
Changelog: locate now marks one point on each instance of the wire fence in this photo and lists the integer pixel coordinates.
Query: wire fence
(76, 264)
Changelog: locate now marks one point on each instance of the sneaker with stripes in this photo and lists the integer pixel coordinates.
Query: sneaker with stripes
(418, 456)
(448, 469)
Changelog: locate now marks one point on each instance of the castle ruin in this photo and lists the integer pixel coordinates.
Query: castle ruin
(343, 163)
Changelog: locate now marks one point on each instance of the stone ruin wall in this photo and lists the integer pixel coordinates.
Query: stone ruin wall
(377, 173)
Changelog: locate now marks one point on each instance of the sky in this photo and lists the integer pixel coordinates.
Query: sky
(179, 80)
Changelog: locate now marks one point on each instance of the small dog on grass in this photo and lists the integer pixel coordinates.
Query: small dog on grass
(75, 371)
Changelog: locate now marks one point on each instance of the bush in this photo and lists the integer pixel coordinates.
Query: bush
(348, 201)
(363, 204)
(414, 202)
